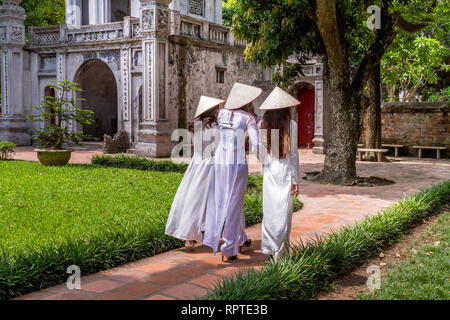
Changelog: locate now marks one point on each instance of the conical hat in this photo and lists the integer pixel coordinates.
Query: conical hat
(207, 103)
(279, 99)
(241, 95)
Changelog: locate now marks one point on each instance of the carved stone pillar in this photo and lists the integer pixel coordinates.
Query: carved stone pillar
(319, 106)
(99, 11)
(125, 67)
(13, 123)
(73, 13)
(154, 131)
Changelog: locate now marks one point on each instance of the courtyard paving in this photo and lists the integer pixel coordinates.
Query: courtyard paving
(181, 274)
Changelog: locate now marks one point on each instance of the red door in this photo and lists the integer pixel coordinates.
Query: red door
(306, 124)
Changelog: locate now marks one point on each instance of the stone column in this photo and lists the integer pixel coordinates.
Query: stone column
(73, 13)
(319, 106)
(154, 132)
(99, 11)
(13, 123)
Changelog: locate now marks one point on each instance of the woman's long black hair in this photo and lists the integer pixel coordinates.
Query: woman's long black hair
(208, 119)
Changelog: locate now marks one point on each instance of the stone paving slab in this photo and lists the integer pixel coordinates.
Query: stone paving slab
(182, 274)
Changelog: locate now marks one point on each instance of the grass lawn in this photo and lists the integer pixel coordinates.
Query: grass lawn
(85, 215)
(425, 274)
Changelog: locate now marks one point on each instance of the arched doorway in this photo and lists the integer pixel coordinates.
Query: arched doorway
(306, 115)
(100, 95)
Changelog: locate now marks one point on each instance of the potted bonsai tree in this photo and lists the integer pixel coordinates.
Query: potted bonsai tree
(57, 113)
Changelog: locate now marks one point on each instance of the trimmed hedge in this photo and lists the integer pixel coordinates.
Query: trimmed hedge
(313, 266)
(138, 163)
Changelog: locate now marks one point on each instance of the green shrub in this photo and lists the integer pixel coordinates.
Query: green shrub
(443, 95)
(138, 163)
(313, 266)
(6, 149)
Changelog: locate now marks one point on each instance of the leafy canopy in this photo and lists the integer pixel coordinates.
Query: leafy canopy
(44, 12)
(277, 29)
(411, 65)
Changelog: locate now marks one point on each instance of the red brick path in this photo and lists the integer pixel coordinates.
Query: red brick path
(180, 274)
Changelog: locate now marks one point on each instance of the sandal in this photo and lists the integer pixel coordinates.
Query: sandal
(246, 244)
(232, 258)
(190, 245)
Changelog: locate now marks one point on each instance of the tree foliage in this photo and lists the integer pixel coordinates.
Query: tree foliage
(58, 113)
(229, 8)
(412, 65)
(44, 12)
(338, 32)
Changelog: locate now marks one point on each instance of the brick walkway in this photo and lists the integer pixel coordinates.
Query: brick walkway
(180, 274)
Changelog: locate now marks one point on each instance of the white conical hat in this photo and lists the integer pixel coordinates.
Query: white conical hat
(241, 95)
(279, 99)
(207, 103)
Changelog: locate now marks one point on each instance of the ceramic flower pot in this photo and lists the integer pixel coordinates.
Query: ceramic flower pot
(53, 157)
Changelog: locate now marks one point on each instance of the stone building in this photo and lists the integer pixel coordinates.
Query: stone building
(142, 64)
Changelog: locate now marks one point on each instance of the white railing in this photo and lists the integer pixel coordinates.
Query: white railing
(136, 29)
(104, 32)
(218, 35)
(190, 29)
(240, 42)
(131, 29)
(44, 35)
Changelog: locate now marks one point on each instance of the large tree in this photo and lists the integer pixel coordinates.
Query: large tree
(436, 26)
(337, 31)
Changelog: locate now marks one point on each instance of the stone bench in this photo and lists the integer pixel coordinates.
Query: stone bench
(396, 146)
(438, 150)
(379, 153)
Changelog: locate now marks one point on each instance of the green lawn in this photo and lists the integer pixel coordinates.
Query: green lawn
(425, 274)
(85, 215)
(46, 205)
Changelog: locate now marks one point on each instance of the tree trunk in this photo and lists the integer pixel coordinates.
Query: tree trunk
(345, 128)
(373, 115)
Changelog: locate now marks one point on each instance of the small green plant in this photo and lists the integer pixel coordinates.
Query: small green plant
(58, 113)
(6, 150)
(443, 95)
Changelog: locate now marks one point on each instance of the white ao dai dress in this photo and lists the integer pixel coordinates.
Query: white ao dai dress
(279, 175)
(187, 215)
(225, 210)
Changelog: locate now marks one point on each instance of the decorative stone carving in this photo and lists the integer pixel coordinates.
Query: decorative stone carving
(163, 19)
(147, 19)
(148, 81)
(3, 34)
(17, 34)
(196, 7)
(118, 144)
(162, 81)
(125, 70)
(319, 108)
(46, 38)
(136, 30)
(5, 83)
